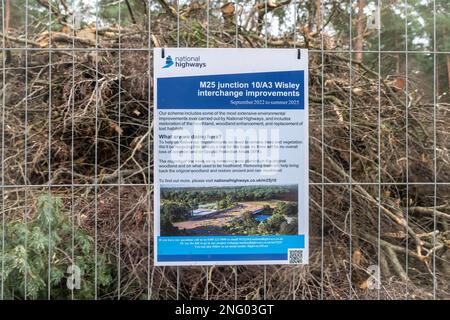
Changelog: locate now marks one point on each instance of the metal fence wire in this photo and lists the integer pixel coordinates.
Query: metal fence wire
(77, 158)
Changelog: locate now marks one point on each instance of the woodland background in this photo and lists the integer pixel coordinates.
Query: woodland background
(76, 146)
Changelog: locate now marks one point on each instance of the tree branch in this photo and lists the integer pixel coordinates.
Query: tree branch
(130, 11)
(429, 211)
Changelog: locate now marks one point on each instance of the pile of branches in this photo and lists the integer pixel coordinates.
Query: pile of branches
(81, 118)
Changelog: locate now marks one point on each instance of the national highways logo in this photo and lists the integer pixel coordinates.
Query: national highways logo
(169, 62)
(184, 62)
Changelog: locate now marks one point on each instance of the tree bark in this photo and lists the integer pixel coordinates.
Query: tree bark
(359, 42)
(318, 16)
(448, 71)
(447, 59)
(7, 15)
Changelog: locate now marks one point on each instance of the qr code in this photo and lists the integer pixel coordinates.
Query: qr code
(295, 256)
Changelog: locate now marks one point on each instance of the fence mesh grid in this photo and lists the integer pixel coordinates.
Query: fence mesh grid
(77, 82)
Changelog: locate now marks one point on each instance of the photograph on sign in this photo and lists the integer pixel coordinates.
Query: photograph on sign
(231, 156)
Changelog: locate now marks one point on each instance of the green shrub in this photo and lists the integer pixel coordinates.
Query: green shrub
(47, 240)
(286, 208)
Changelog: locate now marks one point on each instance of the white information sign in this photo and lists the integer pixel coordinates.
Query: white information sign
(231, 156)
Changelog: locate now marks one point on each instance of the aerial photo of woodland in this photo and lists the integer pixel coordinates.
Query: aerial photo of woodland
(243, 210)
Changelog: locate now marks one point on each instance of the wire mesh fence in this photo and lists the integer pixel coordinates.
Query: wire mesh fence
(77, 158)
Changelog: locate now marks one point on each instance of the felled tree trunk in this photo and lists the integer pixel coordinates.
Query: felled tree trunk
(228, 13)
